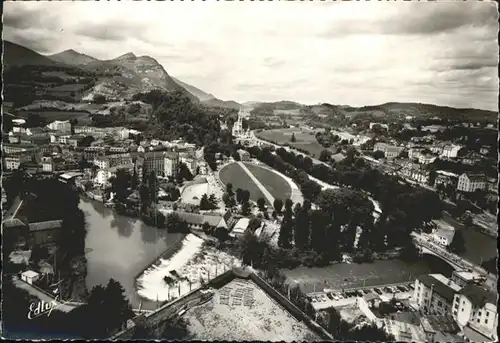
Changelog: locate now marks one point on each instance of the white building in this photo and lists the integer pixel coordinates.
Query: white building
(451, 150)
(434, 294)
(471, 182)
(240, 227)
(390, 151)
(13, 161)
(30, 276)
(443, 233)
(476, 308)
(426, 159)
(190, 162)
(61, 126)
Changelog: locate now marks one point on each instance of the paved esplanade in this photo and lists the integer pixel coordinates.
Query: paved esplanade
(263, 189)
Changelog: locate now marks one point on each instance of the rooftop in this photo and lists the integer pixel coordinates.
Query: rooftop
(440, 287)
(478, 296)
(47, 225)
(199, 219)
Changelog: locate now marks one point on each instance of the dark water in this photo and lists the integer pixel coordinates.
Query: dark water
(478, 246)
(120, 247)
(344, 275)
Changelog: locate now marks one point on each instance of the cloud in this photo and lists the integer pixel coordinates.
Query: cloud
(358, 53)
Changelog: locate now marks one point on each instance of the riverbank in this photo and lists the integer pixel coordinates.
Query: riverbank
(194, 263)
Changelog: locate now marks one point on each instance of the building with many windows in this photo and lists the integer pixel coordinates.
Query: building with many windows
(471, 182)
(434, 294)
(163, 163)
(476, 307)
(13, 161)
(109, 161)
(61, 126)
(390, 151)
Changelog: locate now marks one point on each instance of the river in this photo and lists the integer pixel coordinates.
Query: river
(120, 247)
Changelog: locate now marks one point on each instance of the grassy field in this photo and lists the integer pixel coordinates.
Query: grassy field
(237, 176)
(275, 184)
(305, 140)
(241, 311)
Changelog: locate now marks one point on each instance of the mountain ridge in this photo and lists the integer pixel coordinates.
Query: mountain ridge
(72, 57)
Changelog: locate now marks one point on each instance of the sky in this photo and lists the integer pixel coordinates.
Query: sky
(345, 53)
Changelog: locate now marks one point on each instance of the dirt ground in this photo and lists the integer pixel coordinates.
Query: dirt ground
(242, 311)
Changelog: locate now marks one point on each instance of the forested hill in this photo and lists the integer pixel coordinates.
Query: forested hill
(175, 116)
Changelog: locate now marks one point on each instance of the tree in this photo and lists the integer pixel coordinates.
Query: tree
(206, 227)
(378, 154)
(184, 172)
(324, 155)
(221, 234)
(292, 139)
(225, 199)
(99, 99)
(245, 208)
(261, 202)
(204, 203)
(286, 229)
(278, 205)
(310, 189)
(175, 329)
(457, 245)
(174, 223)
(120, 184)
(490, 265)
(229, 189)
(245, 196)
(239, 193)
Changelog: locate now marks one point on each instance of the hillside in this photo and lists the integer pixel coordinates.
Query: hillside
(18, 56)
(72, 57)
(201, 95)
(221, 103)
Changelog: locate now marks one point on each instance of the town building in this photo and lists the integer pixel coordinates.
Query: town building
(446, 178)
(443, 233)
(471, 182)
(109, 161)
(117, 150)
(476, 307)
(382, 125)
(426, 158)
(103, 175)
(390, 151)
(172, 164)
(60, 126)
(15, 148)
(196, 221)
(191, 164)
(13, 161)
(162, 163)
(244, 155)
(434, 294)
(415, 172)
(484, 150)
(48, 164)
(75, 140)
(464, 278)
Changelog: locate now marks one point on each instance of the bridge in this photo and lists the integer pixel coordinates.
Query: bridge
(426, 246)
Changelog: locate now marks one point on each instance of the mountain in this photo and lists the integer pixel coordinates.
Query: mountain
(129, 74)
(17, 55)
(221, 103)
(201, 95)
(72, 57)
